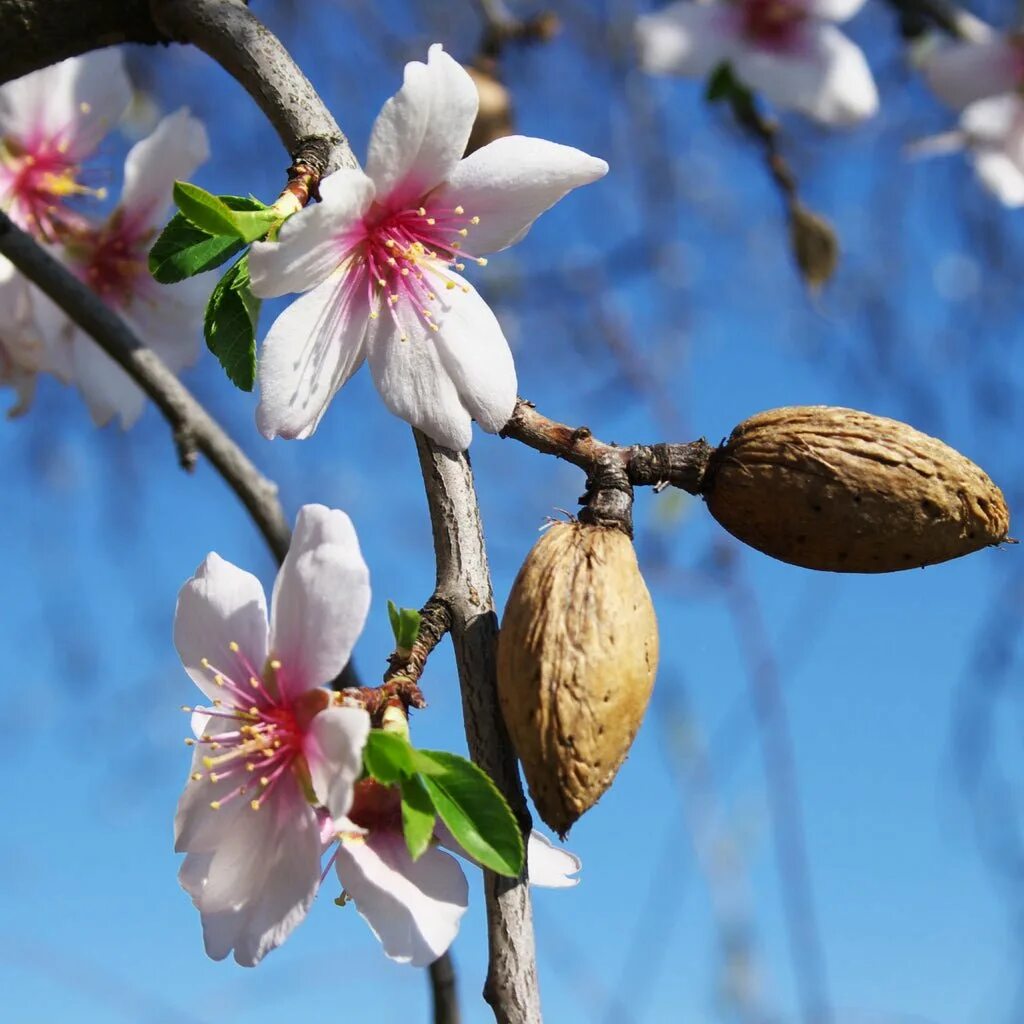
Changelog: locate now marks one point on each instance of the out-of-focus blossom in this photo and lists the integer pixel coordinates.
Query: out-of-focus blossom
(380, 259)
(274, 761)
(787, 50)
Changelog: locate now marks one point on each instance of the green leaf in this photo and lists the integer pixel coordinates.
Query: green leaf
(405, 624)
(183, 250)
(388, 757)
(205, 211)
(474, 811)
(230, 325)
(243, 203)
(418, 816)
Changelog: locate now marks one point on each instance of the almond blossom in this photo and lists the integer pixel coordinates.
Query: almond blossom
(380, 260)
(788, 50)
(415, 907)
(274, 759)
(983, 79)
(111, 257)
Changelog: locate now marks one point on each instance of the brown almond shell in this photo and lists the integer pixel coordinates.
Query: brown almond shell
(577, 656)
(845, 491)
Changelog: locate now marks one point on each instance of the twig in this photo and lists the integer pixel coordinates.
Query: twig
(444, 992)
(946, 16)
(501, 27)
(193, 427)
(464, 583)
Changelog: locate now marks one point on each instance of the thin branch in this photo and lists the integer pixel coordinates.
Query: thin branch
(952, 20)
(464, 583)
(444, 993)
(193, 427)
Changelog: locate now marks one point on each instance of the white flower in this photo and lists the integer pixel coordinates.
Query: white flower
(785, 49)
(22, 353)
(112, 258)
(993, 131)
(961, 73)
(415, 907)
(50, 122)
(379, 260)
(270, 750)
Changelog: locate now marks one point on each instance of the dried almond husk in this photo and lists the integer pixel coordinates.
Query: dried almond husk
(841, 490)
(577, 656)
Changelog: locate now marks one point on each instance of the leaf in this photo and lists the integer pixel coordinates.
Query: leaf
(474, 811)
(183, 250)
(205, 211)
(405, 624)
(388, 757)
(230, 325)
(418, 816)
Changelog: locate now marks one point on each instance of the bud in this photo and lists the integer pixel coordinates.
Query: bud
(814, 244)
(577, 654)
(845, 491)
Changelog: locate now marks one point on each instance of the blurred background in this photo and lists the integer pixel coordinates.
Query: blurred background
(821, 817)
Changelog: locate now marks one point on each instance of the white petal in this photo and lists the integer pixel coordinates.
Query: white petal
(549, 866)
(509, 183)
(107, 389)
(421, 132)
(476, 356)
(57, 333)
(74, 103)
(826, 77)
(313, 242)
(311, 349)
(995, 121)
(169, 318)
(171, 152)
(834, 10)
(413, 907)
(685, 38)
(413, 380)
(961, 73)
(321, 597)
(1001, 175)
(198, 827)
(221, 605)
(260, 881)
(334, 752)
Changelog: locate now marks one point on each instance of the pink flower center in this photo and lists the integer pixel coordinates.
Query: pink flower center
(406, 255)
(255, 733)
(773, 24)
(113, 260)
(36, 181)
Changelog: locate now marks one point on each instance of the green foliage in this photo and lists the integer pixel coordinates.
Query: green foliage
(405, 624)
(387, 757)
(230, 325)
(418, 816)
(183, 250)
(235, 216)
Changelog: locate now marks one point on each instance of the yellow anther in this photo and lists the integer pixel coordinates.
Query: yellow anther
(431, 221)
(389, 243)
(474, 220)
(382, 282)
(392, 262)
(215, 746)
(449, 285)
(196, 776)
(275, 664)
(254, 710)
(456, 246)
(405, 271)
(373, 316)
(217, 702)
(249, 766)
(205, 662)
(481, 261)
(208, 762)
(233, 647)
(185, 707)
(85, 108)
(463, 232)
(189, 742)
(421, 212)
(404, 337)
(459, 210)
(264, 781)
(215, 804)
(218, 679)
(214, 776)
(101, 193)
(460, 266)
(254, 804)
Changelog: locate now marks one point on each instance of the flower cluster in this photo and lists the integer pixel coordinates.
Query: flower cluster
(51, 122)
(275, 780)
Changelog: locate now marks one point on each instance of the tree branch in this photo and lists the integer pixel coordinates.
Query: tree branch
(194, 429)
(444, 993)
(464, 583)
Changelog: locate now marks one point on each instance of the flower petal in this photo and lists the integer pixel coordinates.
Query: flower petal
(171, 152)
(476, 355)
(73, 103)
(313, 242)
(170, 317)
(311, 350)
(413, 907)
(260, 881)
(334, 752)
(1001, 175)
(321, 597)
(107, 389)
(995, 121)
(220, 605)
(826, 77)
(509, 183)
(198, 827)
(413, 380)
(421, 132)
(549, 866)
(685, 38)
(961, 73)
(834, 10)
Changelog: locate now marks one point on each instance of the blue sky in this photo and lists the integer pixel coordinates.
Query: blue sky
(657, 304)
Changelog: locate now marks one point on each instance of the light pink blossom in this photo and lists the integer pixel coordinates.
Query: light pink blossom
(273, 758)
(380, 260)
(787, 50)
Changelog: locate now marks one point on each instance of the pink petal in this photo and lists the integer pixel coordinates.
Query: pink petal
(312, 243)
(221, 604)
(509, 183)
(826, 78)
(684, 38)
(421, 132)
(311, 350)
(321, 597)
(414, 908)
(171, 152)
(334, 752)
(549, 866)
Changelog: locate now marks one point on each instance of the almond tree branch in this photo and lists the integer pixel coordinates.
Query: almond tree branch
(444, 991)
(194, 428)
(464, 583)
